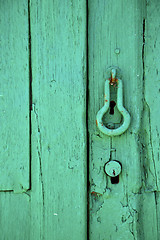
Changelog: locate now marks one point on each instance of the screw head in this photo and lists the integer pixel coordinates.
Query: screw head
(117, 51)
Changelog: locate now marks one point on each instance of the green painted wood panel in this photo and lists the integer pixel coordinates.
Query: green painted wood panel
(56, 205)
(129, 209)
(15, 216)
(59, 187)
(150, 134)
(14, 96)
(151, 125)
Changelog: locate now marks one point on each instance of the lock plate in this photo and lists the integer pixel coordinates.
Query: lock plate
(113, 168)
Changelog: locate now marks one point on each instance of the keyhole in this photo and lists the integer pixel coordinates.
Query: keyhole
(112, 105)
(115, 180)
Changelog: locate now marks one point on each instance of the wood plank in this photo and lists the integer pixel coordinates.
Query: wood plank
(151, 128)
(149, 215)
(59, 194)
(14, 96)
(15, 216)
(116, 39)
(150, 124)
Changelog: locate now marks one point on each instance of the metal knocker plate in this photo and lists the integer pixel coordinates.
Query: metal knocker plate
(104, 109)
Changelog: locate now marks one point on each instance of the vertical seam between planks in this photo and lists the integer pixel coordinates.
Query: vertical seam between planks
(30, 94)
(87, 127)
(143, 46)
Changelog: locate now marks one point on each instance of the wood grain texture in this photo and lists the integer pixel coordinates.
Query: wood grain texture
(150, 139)
(151, 129)
(15, 216)
(115, 208)
(56, 205)
(58, 198)
(14, 96)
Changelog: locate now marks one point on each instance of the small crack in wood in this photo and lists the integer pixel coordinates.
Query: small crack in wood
(39, 150)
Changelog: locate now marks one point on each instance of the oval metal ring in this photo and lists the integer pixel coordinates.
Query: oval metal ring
(122, 110)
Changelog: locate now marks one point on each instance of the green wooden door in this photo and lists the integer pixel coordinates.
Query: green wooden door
(125, 34)
(55, 57)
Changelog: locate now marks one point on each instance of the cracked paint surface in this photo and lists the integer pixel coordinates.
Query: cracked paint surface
(39, 149)
(129, 209)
